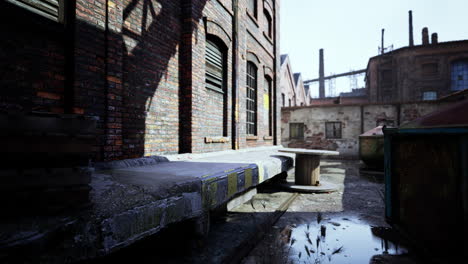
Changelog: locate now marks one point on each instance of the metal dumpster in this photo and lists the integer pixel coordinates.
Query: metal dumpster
(426, 172)
(371, 148)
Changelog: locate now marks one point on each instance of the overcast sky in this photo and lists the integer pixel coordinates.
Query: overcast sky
(350, 31)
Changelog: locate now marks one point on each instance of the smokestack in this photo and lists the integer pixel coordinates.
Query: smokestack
(434, 38)
(425, 36)
(383, 47)
(321, 76)
(411, 39)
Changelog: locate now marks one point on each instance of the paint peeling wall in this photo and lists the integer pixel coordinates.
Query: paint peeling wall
(355, 120)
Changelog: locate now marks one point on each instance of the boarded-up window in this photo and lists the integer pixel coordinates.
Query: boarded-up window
(52, 9)
(429, 69)
(214, 67)
(251, 99)
(387, 76)
(333, 129)
(296, 130)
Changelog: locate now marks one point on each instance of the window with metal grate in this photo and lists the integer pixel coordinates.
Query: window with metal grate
(251, 103)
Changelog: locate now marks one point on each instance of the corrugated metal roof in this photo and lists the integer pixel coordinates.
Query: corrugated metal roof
(452, 116)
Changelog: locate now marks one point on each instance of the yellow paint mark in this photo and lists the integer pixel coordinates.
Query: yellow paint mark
(232, 184)
(260, 173)
(111, 4)
(266, 101)
(226, 171)
(248, 178)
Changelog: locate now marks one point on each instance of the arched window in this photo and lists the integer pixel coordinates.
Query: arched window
(214, 62)
(268, 24)
(251, 104)
(459, 75)
(252, 7)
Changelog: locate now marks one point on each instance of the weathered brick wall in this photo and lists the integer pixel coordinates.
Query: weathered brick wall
(409, 79)
(355, 120)
(32, 62)
(257, 42)
(139, 66)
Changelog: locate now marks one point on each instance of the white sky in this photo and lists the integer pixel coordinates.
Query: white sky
(350, 31)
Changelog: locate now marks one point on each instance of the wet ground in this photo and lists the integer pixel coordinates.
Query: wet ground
(277, 226)
(346, 226)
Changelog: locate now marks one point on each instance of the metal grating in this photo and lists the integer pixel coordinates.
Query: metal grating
(251, 99)
(52, 9)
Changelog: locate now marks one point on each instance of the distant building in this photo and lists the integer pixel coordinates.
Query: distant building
(418, 73)
(292, 87)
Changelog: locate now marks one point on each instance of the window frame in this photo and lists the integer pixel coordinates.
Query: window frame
(253, 4)
(251, 99)
(215, 81)
(43, 8)
(459, 68)
(268, 24)
(300, 131)
(335, 135)
(426, 96)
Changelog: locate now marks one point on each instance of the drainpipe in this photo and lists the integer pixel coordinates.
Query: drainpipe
(235, 77)
(69, 94)
(275, 76)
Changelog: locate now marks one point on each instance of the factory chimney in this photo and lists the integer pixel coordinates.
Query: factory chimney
(425, 36)
(411, 39)
(321, 76)
(434, 38)
(382, 47)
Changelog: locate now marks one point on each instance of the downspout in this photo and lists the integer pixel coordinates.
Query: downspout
(106, 82)
(235, 83)
(275, 76)
(70, 21)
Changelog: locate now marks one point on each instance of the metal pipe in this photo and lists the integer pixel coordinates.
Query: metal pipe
(321, 75)
(411, 39)
(235, 81)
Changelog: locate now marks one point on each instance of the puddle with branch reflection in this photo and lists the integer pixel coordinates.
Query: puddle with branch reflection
(338, 240)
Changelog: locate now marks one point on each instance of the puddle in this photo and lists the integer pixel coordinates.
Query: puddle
(338, 240)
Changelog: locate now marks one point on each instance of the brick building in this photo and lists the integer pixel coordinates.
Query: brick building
(423, 72)
(293, 92)
(161, 76)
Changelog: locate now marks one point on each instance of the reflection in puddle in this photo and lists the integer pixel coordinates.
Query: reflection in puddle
(338, 240)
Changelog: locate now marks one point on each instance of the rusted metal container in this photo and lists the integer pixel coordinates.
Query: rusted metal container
(371, 148)
(426, 181)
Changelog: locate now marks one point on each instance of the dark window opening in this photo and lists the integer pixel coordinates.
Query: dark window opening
(269, 86)
(459, 76)
(296, 131)
(333, 130)
(289, 102)
(252, 7)
(251, 99)
(387, 77)
(51, 9)
(214, 67)
(268, 24)
(283, 99)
